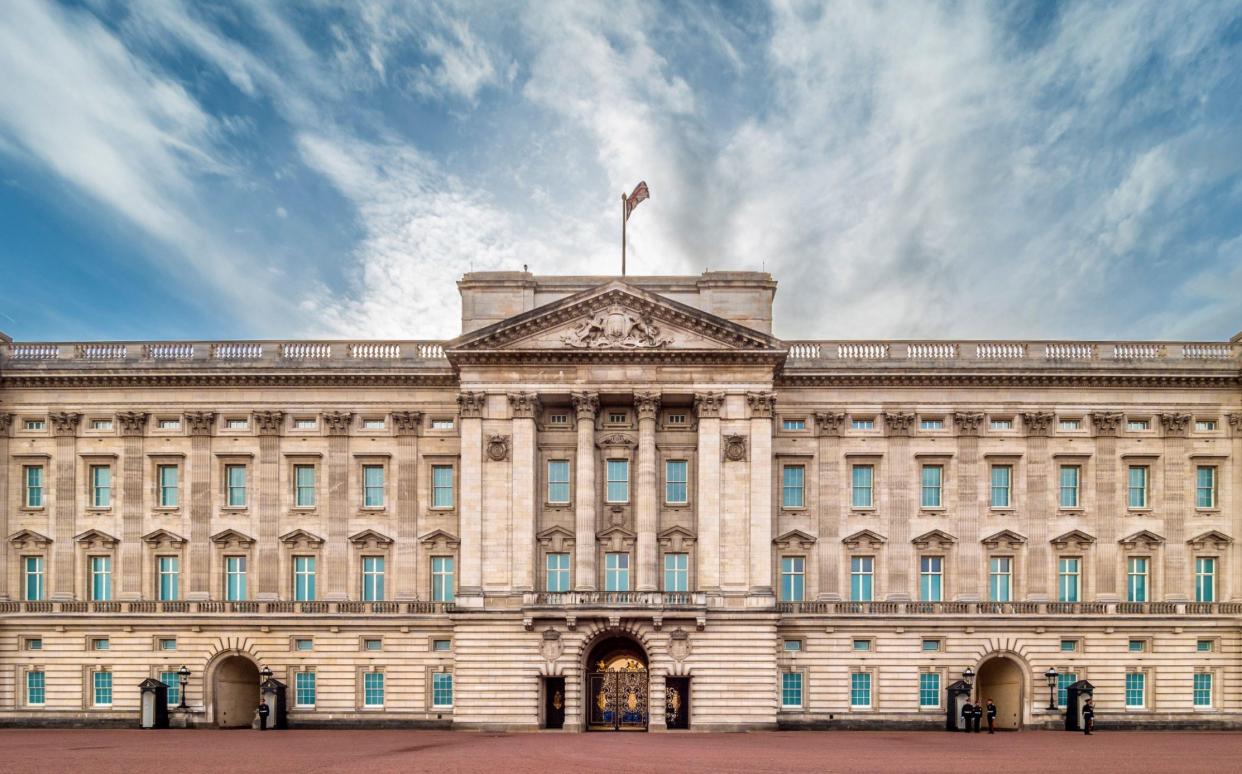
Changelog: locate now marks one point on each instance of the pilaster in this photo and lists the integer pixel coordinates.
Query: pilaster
(901, 477)
(524, 407)
(707, 406)
(646, 508)
(1107, 511)
(336, 551)
(406, 424)
(200, 426)
(65, 429)
(1234, 567)
(968, 552)
(270, 424)
(761, 405)
(470, 485)
(133, 428)
(6, 528)
(828, 428)
(1038, 426)
(585, 404)
(1178, 494)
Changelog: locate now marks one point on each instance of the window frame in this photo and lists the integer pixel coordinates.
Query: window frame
(612, 466)
(443, 496)
(567, 483)
(862, 570)
(678, 573)
(443, 578)
(995, 574)
(925, 488)
(869, 487)
(793, 681)
(793, 487)
(614, 575)
(670, 482)
(793, 578)
(40, 488)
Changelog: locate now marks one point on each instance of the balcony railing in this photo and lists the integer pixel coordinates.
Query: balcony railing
(633, 599)
(1010, 608)
(183, 354)
(216, 607)
(1011, 353)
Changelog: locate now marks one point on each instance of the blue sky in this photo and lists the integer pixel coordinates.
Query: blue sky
(941, 170)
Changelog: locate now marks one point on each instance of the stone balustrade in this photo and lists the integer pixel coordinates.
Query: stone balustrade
(1010, 608)
(216, 607)
(1027, 353)
(206, 353)
(618, 599)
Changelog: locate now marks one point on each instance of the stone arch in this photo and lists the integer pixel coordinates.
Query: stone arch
(612, 658)
(231, 685)
(1004, 675)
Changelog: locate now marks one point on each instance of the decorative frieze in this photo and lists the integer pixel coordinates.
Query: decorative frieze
(1038, 423)
(708, 404)
(200, 422)
(471, 404)
(762, 404)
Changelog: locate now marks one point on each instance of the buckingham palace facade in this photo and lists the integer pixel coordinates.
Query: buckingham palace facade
(621, 503)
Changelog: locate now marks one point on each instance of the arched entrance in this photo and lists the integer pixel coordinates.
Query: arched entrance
(1001, 680)
(235, 692)
(617, 686)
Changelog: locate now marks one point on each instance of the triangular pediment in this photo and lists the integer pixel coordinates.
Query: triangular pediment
(611, 319)
(1213, 537)
(935, 538)
(228, 536)
(301, 537)
(96, 537)
(617, 530)
(161, 536)
(29, 538)
(864, 537)
(1073, 537)
(1004, 538)
(440, 537)
(794, 538)
(370, 537)
(1142, 537)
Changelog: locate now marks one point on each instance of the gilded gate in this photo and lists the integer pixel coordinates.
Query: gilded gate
(618, 695)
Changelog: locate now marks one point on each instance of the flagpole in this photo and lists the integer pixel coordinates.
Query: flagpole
(622, 233)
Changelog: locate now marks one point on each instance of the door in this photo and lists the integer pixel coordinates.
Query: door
(677, 702)
(619, 698)
(554, 702)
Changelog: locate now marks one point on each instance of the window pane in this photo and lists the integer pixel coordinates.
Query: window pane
(1137, 486)
(861, 578)
(617, 572)
(1136, 579)
(101, 486)
(558, 572)
(791, 689)
(1205, 487)
(1069, 486)
(372, 579)
(441, 486)
(235, 481)
(862, 486)
(1000, 485)
(442, 689)
(931, 576)
(101, 578)
(860, 689)
(618, 490)
(676, 490)
(173, 681)
(794, 481)
(235, 578)
(443, 586)
(558, 481)
(1067, 579)
(169, 578)
(1203, 689)
(304, 688)
(932, 476)
(677, 572)
(304, 578)
(34, 486)
(103, 688)
(929, 689)
(793, 578)
(1064, 681)
(373, 689)
(35, 687)
(168, 486)
(304, 485)
(373, 486)
(1135, 689)
(1205, 579)
(1000, 579)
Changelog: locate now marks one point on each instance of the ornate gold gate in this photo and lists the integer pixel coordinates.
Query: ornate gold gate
(618, 694)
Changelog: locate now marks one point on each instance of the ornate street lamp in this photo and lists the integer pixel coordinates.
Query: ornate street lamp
(184, 674)
(968, 674)
(1051, 677)
(265, 674)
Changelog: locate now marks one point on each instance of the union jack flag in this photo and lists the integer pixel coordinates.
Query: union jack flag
(640, 193)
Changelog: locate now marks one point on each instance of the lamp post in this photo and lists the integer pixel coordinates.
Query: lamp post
(184, 674)
(968, 674)
(1051, 677)
(265, 674)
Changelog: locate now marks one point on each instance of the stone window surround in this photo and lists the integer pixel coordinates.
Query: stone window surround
(1149, 683)
(546, 454)
(91, 544)
(936, 544)
(554, 540)
(1215, 672)
(864, 543)
(684, 452)
(293, 705)
(1152, 548)
(948, 482)
(878, 491)
(431, 706)
(88, 687)
(805, 706)
(224, 460)
(432, 461)
(1085, 462)
(1017, 480)
(1223, 481)
(154, 545)
(159, 459)
(357, 494)
(810, 480)
(19, 461)
(293, 460)
(868, 669)
(1155, 481)
(29, 543)
(23, 685)
(225, 544)
(676, 540)
(87, 461)
(359, 698)
(434, 544)
(940, 694)
(298, 543)
(370, 543)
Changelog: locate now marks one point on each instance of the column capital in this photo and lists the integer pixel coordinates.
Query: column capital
(200, 422)
(762, 404)
(829, 423)
(470, 404)
(586, 404)
(6, 423)
(338, 422)
(898, 423)
(407, 422)
(647, 403)
(1038, 423)
(524, 405)
(967, 422)
(708, 404)
(1175, 424)
(1235, 421)
(1106, 423)
(269, 422)
(132, 422)
(65, 423)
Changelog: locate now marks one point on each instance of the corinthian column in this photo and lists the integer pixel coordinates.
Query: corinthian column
(707, 406)
(645, 507)
(585, 404)
(470, 406)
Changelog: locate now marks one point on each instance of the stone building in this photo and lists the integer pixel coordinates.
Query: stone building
(621, 503)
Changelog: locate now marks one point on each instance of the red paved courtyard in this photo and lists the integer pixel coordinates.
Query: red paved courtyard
(444, 752)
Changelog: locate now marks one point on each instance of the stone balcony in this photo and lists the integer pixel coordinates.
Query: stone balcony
(1009, 608)
(147, 607)
(647, 600)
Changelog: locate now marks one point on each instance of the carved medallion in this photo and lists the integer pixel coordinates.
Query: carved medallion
(551, 648)
(735, 447)
(617, 328)
(679, 644)
(498, 447)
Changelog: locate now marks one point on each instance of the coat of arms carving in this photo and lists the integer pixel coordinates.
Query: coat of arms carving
(498, 447)
(617, 328)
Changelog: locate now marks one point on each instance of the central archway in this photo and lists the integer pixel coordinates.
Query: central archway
(1001, 680)
(617, 686)
(235, 692)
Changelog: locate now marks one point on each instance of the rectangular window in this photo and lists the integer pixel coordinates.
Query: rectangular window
(1204, 646)
(793, 424)
(558, 572)
(791, 689)
(443, 583)
(861, 577)
(793, 578)
(1070, 475)
(304, 486)
(1069, 424)
(36, 686)
(235, 578)
(34, 486)
(558, 481)
(1136, 689)
(617, 417)
(304, 644)
(101, 643)
(303, 424)
(304, 578)
(560, 420)
(167, 475)
(1137, 486)
(169, 577)
(102, 682)
(441, 424)
(173, 681)
(441, 486)
(372, 644)
(862, 646)
(616, 572)
(929, 689)
(169, 424)
(931, 424)
(1205, 579)
(1205, 425)
(676, 474)
(168, 643)
(794, 486)
(235, 485)
(1138, 646)
(441, 689)
(101, 578)
(34, 586)
(1136, 579)
(1064, 681)
(372, 579)
(863, 481)
(35, 425)
(101, 424)
(1002, 482)
(618, 481)
(1000, 578)
(933, 478)
(101, 486)
(860, 689)
(1002, 424)
(372, 689)
(931, 578)
(1069, 646)
(862, 424)
(678, 420)
(304, 689)
(1138, 425)
(442, 646)
(1203, 689)
(1068, 577)
(1205, 486)
(372, 424)
(373, 486)
(677, 572)
(793, 645)
(236, 424)
(931, 646)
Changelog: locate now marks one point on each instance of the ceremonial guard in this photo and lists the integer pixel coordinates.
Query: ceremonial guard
(991, 717)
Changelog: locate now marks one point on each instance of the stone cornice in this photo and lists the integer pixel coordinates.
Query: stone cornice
(887, 378)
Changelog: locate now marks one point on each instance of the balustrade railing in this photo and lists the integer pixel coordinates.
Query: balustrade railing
(215, 607)
(653, 599)
(181, 353)
(1035, 354)
(1010, 608)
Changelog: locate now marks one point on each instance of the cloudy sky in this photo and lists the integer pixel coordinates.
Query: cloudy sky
(313, 168)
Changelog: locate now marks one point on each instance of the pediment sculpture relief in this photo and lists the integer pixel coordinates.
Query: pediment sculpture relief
(617, 328)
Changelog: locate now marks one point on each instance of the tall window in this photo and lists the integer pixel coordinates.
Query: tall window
(373, 486)
(558, 481)
(34, 585)
(1064, 681)
(173, 681)
(677, 572)
(1136, 579)
(863, 480)
(675, 486)
(372, 579)
(235, 485)
(931, 578)
(304, 689)
(304, 578)
(794, 486)
(1136, 689)
(860, 689)
(168, 494)
(169, 577)
(34, 486)
(616, 572)
(101, 486)
(1070, 475)
(791, 689)
(861, 577)
(1137, 486)
(441, 486)
(373, 689)
(443, 585)
(558, 572)
(36, 686)
(618, 481)
(1000, 578)
(1203, 689)
(933, 477)
(929, 689)
(101, 578)
(304, 486)
(441, 689)
(793, 578)
(102, 683)
(1068, 578)
(234, 578)
(1002, 481)
(1205, 579)
(1205, 486)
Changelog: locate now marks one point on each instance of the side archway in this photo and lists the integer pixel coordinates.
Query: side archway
(234, 681)
(1002, 679)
